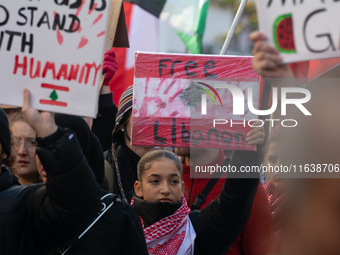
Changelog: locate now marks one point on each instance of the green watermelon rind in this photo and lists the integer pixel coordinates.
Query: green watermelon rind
(277, 21)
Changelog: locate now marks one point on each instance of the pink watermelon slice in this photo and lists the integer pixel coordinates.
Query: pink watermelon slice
(284, 34)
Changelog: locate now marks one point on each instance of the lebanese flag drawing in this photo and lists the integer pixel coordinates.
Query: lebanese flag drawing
(143, 36)
(54, 98)
(187, 100)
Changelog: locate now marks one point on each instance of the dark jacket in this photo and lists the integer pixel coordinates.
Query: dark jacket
(41, 217)
(89, 143)
(127, 162)
(104, 124)
(118, 231)
(219, 224)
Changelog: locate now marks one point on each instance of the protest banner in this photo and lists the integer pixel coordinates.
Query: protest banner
(55, 49)
(182, 101)
(301, 30)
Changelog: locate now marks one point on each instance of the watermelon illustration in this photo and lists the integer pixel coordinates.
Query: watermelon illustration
(284, 34)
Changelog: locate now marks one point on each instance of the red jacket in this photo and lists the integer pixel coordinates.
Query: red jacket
(257, 237)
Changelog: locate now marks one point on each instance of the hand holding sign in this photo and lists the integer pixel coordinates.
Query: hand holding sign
(267, 61)
(110, 66)
(42, 122)
(257, 135)
(301, 30)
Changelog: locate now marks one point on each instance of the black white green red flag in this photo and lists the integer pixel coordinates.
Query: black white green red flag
(187, 17)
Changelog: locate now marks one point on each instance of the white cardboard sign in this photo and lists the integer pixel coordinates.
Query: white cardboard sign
(54, 48)
(301, 29)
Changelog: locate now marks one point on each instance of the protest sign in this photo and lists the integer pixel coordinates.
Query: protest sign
(55, 49)
(301, 30)
(182, 101)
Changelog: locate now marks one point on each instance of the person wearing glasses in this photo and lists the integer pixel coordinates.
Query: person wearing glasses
(23, 144)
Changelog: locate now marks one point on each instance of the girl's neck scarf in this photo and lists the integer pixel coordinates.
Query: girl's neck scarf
(171, 235)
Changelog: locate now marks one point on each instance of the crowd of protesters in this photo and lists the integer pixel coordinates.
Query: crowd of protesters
(70, 187)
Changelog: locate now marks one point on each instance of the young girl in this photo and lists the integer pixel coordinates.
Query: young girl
(170, 227)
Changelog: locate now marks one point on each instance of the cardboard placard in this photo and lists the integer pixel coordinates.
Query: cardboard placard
(168, 93)
(55, 49)
(301, 30)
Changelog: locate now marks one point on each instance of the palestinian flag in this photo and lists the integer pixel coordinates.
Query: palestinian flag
(187, 17)
(143, 36)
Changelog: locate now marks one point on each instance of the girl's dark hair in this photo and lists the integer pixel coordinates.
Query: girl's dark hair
(146, 161)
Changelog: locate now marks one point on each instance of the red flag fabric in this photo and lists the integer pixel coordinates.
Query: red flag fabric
(143, 36)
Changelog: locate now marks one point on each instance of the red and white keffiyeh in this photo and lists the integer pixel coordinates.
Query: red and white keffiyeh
(171, 235)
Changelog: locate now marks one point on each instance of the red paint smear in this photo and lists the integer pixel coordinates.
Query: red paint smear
(170, 86)
(143, 109)
(83, 42)
(134, 111)
(60, 37)
(54, 13)
(98, 18)
(79, 29)
(176, 95)
(146, 85)
(157, 113)
(174, 114)
(50, 102)
(159, 102)
(55, 87)
(160, 85)
(94, 7)
(101, 34)
(80, 7)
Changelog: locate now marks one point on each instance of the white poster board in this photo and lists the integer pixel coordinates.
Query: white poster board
(55, 49)
(301, 30)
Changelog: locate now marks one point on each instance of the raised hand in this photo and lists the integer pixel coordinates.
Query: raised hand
(110, 66)
(42, 122)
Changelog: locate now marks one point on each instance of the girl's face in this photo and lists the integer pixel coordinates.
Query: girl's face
(160, 183)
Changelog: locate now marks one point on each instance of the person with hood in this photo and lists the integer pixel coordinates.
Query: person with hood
(89, 143)
(106, 236)
(124, 157)
(38, 217)
(113, 128)
(68, 214)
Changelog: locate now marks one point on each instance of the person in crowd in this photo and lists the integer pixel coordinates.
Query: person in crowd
(310, 217)
(257, 236)
(104, 124)
(23, 141)
(170, 227)
(60, 215)
(115, 223)
(124, 157)
(114, 134)
(29, 222)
